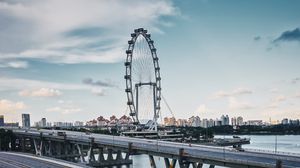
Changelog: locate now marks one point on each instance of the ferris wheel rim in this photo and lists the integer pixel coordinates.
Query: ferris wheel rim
(128, 76)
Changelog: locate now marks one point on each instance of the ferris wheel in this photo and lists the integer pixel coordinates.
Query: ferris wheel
(143, 81)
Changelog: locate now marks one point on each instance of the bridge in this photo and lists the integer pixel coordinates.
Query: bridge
(51, 142)
(13, 160)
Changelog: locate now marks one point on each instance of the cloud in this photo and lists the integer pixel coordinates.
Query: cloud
(295, 80)
(14, 64)
(42, 92)
(236, 92)
(98, 91)
(76, 31)
(11, 109)
(202, 108)
(90, 81)
(9, 106)
(7, 83)
(65, 107)
(279, 98)
(237, 105)
(64, 110)
(276, 101)
(290, 35)
(257, 38)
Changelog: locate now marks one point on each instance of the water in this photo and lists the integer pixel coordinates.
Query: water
(285, 143)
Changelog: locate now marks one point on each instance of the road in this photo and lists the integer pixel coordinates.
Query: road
(20, 160)
(216, 154)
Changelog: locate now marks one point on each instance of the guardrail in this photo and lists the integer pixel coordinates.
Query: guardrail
(272, 152)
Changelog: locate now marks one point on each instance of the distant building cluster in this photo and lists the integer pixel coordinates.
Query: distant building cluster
(43, 123)
(196, 121)
(287, 121)
(112, 121)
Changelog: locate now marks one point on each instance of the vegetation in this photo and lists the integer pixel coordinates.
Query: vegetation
(257, 130)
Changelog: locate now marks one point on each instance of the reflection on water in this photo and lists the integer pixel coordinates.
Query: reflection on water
(285, 143)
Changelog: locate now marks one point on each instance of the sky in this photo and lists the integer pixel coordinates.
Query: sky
(64, 59)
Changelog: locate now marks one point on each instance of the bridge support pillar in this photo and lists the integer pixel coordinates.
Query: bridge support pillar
(278, 164)
(91, 156)
(48, 148)
(23, 144)
(152, 161)
(182, 160)
(167, 162)
(38, 147)
(101, 156)
(197, 165)
(173, 163)
(110, 155)
(119, 155)
(82, 160)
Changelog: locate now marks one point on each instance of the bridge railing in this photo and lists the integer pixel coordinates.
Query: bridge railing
(272, 152)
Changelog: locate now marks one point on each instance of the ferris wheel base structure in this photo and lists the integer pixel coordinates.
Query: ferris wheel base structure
(142, 70)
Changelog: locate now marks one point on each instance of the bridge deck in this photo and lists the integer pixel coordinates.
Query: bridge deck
(13, 160)
(194, 153)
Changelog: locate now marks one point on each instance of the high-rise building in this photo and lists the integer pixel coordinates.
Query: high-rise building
(25, 120)
(43, 122)
(233, 121)
(239, 121)
(285, 121)
(1, 120)
(225, 120)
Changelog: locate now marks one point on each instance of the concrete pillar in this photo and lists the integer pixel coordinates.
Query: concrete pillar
(278, 164)
(197, 165)
(101, 156)
(38, 147)
(110, 155)
(23, 144)
(119, 155)
(82, 160)
(91, 156)
(152, 161)
(127, 156)
(173, 163)
(167, 162)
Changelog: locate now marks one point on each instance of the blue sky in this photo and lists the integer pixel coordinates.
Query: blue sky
(239, 58)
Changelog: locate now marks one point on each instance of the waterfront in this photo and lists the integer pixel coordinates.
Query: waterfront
(285, 143)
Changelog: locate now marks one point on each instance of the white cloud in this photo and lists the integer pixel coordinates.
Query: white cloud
(64, 110)
(276, 101)
(236, 92)
(234, 104)
(7, 83)
(9, 106)
(240, 91)
(202, 108)
(10, 109)
(279, 98)
(42, 92)
(14, 64)
(76, 31)
(65, 107)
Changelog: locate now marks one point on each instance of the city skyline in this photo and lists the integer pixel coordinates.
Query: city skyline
(67, 61)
